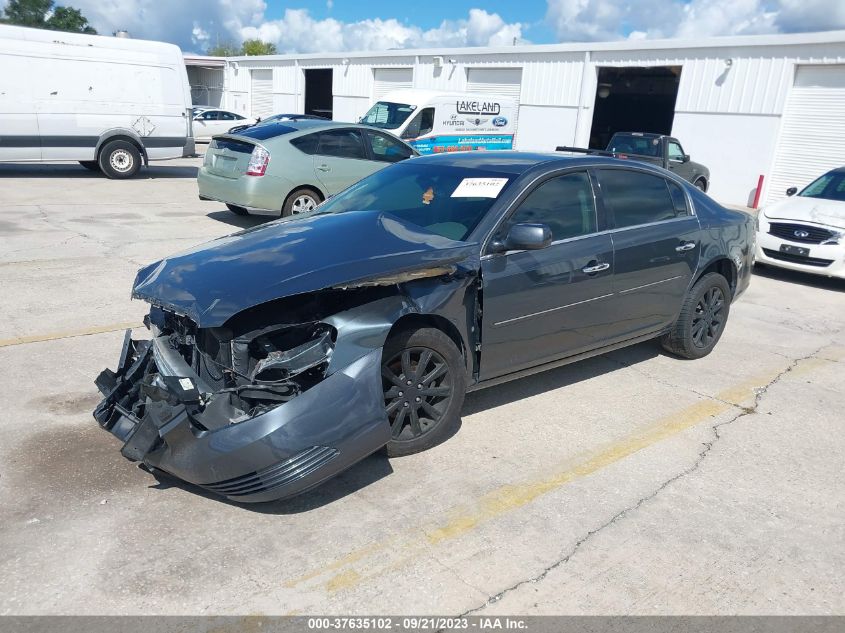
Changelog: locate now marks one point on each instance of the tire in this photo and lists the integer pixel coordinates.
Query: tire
(90, 165)
(701, 184)
(421, 417)
(119, 159)
(702, 320)
(236, 209)
(301, 201)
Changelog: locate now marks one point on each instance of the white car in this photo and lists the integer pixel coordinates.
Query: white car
(210, 123)
(806, 232)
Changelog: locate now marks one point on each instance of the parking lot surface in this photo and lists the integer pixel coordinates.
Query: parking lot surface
(632, 483)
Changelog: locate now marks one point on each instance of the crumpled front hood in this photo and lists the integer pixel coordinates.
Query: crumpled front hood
(216, 280)
(801, 209)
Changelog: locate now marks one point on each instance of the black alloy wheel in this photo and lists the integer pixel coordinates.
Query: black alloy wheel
(708, 319)
(424, 381)
(702, 319)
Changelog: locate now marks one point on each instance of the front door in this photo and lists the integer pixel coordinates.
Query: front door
(655, 248)
(544, 304)
(342, 159)
(677, 161)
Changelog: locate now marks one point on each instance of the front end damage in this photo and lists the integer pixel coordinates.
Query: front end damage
(262, 374)
(253, 416)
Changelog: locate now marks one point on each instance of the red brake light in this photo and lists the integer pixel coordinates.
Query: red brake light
(258, 161)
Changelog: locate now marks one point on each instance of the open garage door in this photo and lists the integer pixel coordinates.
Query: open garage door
(262, 93)
(634, 99)
(498, 81)
(812, 132)
(387, 79)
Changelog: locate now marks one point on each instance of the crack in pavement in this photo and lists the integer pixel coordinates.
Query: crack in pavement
(708, 446)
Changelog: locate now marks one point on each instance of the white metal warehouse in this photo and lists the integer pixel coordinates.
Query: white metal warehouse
(770, 105)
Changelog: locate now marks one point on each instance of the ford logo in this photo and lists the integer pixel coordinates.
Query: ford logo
(801, 234)
(500, 121)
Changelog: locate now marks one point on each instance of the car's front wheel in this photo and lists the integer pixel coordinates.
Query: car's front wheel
(702, 320)
(424, 381)
(701, 184)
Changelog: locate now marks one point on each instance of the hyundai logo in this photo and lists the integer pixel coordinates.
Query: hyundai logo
(801, 234)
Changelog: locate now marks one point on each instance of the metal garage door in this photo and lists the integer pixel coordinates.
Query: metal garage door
(387, 79)
(498, 81)
(262, 93)
(812, 131)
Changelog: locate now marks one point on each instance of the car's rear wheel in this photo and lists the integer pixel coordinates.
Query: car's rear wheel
(424, 383)
(236, 209)
(120, 159)
(90, 165)
(702, 320)
(701, 184)
(301, 201)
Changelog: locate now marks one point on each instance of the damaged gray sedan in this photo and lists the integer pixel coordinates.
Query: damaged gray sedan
(281, 355)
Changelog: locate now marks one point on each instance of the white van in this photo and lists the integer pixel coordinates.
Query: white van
(433, 122)
(110, 103)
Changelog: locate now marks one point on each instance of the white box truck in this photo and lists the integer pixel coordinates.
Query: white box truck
(109, 103)
(433, 122)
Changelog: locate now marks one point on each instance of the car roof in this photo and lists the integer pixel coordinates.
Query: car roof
(642, 134)
(272, 129)
(516, 162)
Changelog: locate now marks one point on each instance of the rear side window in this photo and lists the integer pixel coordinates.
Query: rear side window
(679, 199)
(634, 197)
(563, 203)
(306, 144)
(386, 149)
(341, 143)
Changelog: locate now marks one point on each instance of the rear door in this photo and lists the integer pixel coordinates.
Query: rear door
(656, 246)
(342, 159)
(544, 304)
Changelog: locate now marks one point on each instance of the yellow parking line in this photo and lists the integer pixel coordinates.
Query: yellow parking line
(40, 338)
(342, 574)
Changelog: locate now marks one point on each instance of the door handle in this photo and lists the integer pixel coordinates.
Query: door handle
(686, 246)
(595, 268)
(324, 168)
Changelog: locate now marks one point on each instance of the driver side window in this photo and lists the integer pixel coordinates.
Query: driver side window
(564, 203)
(676, 152)
(422, 124)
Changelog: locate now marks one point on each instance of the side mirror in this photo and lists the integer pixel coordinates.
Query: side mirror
(792, 191)
(525, 237)
(685, 159)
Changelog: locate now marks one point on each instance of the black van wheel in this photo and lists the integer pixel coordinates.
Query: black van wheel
(120, 159)
(424, 381)
(702, 320)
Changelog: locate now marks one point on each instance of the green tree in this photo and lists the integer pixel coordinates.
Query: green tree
(257, 47)
(34, 13)
(223, 49)
(69, 19)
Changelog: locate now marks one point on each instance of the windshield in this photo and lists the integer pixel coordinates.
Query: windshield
(831, 186)
(388, 115)
(446, 200)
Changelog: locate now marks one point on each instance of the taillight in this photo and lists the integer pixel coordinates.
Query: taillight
(258, 161)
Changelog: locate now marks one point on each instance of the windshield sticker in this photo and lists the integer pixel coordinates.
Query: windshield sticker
(428, 196)
(479, 188)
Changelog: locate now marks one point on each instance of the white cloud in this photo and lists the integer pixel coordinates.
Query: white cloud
(586, 20)
(298, 31)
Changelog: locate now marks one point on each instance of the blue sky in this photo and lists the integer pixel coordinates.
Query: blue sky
(328, 26)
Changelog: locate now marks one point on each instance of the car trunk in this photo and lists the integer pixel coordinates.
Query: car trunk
(228, 157)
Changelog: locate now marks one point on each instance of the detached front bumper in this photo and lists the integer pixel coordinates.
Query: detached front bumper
(188, 432)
